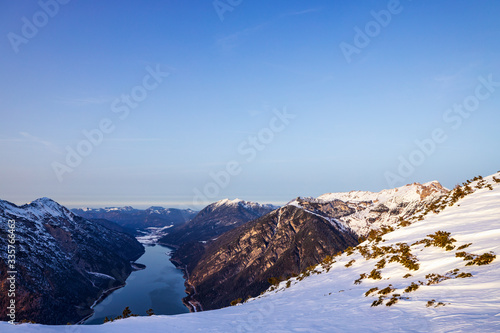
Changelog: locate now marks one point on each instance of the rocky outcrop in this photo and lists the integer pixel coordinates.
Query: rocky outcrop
(64, 262)
(373, 210)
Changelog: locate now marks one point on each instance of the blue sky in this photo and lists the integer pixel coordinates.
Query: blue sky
(222, 82)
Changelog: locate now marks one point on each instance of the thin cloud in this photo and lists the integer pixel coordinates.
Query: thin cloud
(12, 140)
(231, 41)
(85, 101)
(301, 12)
(49, 145)
(459, 77)
(135, 139)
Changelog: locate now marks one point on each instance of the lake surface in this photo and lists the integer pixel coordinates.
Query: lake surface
(160, 286)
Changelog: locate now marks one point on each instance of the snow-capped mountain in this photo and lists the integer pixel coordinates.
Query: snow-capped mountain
(192, 238)
(279, 244)
(367, 211)
(63, 261)
(215, 219)
(452, 285)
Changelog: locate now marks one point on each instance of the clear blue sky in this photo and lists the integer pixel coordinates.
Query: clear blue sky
(353, 122)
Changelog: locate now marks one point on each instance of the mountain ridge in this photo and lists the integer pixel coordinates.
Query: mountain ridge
(64, 262)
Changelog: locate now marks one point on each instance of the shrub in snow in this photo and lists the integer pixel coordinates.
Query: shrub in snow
(386, 290)
(461, 247)
(394, 299)
(380, 264)
(474, 259)
(464, 275)
(361, 277)
(371, 291)
(236, 301)
(379, 301)
(412, 287)
(374, 274)
(349, 264)
(483, 259)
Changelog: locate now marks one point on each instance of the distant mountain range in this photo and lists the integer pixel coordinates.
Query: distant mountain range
(64, 262)
(133, 219)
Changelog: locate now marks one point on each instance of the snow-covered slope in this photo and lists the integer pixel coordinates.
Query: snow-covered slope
(330, 301)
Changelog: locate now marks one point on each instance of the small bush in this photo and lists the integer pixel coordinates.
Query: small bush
(461, 247)
(380, 264)
(349, 264)
(273, 281)
(363, 250)
(288, 284)
(236, 301)
(430, 303)
(349, 251)
(442, 239)
(407, 276)
(125, 314)
(361, 277)
(386, 229)
(435, 278)
(375, 275)
(394, 299)
(379, 301)
(403, 222)
(386, 290)
(412, 287)
(374, 236)
(371, 291)
(464, 275)
(465, 255)
(483, 259)
(327, 260)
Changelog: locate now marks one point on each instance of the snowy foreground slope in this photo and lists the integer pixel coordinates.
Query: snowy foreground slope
(330, 301)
